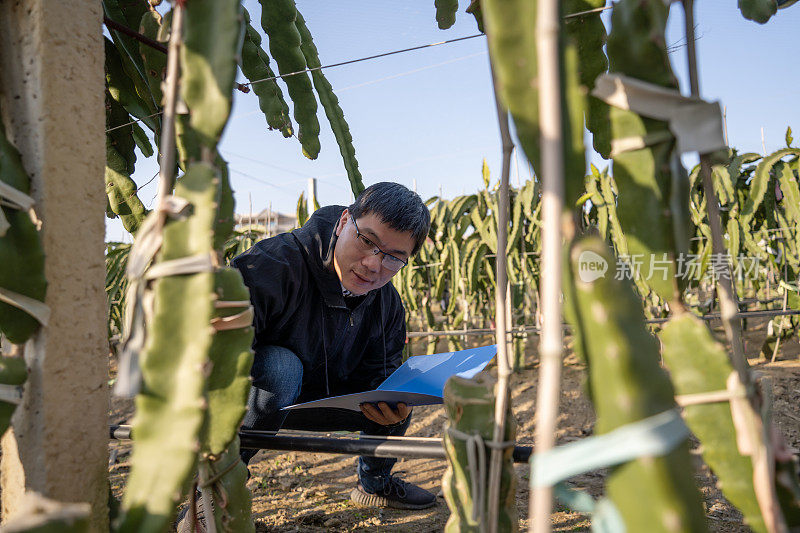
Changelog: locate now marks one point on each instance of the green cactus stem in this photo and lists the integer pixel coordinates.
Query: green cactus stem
(170, 410)
(120, 159)
(589, 35)
(231, 358)
(512, 45)
(758, 10)
(155, 61)
(212, 42)
(331, 105)
(226, 477)
(445, 13)
(124, 91)
(627, 385)
(21, 252)
(278, 20)
(637, 48)
(255, 67)
(469, 404)
(760, 183)
(129, 14)
(699, 364)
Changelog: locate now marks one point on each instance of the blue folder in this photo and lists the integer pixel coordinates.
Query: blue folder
(418, 381)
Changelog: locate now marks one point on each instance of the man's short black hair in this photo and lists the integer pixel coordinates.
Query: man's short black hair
(398, 207)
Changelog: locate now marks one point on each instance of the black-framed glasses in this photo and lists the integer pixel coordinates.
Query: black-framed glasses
(389, 261)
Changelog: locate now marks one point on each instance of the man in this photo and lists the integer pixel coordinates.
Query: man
(327, 322)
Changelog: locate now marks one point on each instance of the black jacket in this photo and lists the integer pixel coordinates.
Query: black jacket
(298, 304)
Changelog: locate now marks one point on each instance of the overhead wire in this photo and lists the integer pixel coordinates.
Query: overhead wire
(259, 180)
(305, 175)
(332, 65)
(414, 71)
(376, 56)
(368, 58)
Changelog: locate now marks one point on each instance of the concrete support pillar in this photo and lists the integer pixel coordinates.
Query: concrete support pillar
(51, 96)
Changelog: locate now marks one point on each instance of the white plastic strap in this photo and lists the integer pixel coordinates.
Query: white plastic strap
(237, 321)
(148, 238)
(15, 199)
(629, 144)
(192, 264)
(736, 394)
(226, 304)
(4, 224)
(700, 398)
(33, 307)
(696, 124)
(653, 436)
(476, 462)
(138, 299)
(10, 393)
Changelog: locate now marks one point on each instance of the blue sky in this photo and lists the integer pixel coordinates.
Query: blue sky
(428, 116)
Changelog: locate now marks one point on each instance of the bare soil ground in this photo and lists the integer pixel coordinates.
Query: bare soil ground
(308, 492)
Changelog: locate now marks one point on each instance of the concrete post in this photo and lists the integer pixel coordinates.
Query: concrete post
(312, 195)
(51, 95)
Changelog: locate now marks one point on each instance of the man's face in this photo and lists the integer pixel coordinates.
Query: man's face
(362, 271)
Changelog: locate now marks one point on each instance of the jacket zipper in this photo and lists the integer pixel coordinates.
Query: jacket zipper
(351, 318)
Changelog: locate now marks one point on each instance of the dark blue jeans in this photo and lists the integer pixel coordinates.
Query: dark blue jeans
(277, 382)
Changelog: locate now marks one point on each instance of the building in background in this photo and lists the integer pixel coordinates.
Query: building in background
(267, 222)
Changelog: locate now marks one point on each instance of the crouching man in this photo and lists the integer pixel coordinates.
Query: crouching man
(327, 322)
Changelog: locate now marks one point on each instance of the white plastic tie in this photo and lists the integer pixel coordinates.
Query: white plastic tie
(10, 393)
(193, 264)
(15, 199)
(653, 436)
(33, 307)
(476, 462)
(696, 124)
(237, 321)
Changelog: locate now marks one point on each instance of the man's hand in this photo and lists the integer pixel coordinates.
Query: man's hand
(385, 415)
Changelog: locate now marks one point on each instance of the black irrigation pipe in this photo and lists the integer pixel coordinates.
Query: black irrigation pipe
(534, 329)
(374, 446)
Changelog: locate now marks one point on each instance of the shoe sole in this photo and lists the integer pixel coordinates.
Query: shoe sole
(374, 500)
